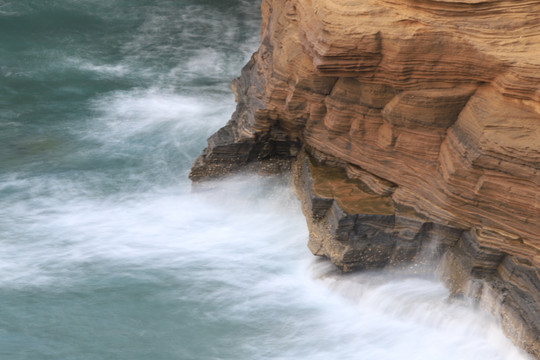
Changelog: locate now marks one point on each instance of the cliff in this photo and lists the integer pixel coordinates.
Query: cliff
(415, 126)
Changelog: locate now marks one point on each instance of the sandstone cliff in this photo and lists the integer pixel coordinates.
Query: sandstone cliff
(421, 123)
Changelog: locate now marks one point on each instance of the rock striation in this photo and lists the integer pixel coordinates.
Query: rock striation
(415, 125)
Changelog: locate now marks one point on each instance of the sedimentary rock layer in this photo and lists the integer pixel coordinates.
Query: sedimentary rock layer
(356, 223)
(433, 107)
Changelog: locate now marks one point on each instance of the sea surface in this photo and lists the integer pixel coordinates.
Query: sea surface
(106, 252)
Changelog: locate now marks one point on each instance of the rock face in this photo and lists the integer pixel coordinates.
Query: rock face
(421, 124)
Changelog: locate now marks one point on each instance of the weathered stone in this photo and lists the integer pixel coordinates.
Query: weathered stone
(357, 228)
(422, 119)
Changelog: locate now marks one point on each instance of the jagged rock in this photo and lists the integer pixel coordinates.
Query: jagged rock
(423, 122)
(357, 228)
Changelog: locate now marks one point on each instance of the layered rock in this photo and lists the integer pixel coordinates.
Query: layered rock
(422, 122)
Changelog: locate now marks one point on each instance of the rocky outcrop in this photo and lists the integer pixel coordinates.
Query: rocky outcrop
(356, 222)
(421, 123)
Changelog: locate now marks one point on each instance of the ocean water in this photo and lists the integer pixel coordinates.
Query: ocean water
(106, 252)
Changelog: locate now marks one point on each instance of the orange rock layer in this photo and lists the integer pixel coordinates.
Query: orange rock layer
(435, 104)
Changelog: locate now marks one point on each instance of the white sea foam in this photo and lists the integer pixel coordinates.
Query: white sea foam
(156, 125)
(104, 70)
(240, 244)
(167, 229)
(111, 255)
(128, 112)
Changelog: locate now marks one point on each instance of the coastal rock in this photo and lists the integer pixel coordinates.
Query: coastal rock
(357, 228)
(421, 124)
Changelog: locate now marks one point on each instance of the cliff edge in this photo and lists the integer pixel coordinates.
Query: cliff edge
(415, 125)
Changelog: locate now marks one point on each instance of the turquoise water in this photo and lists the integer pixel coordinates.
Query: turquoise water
(107, 253)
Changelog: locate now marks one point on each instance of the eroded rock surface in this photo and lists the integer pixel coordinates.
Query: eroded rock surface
(422, 121)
